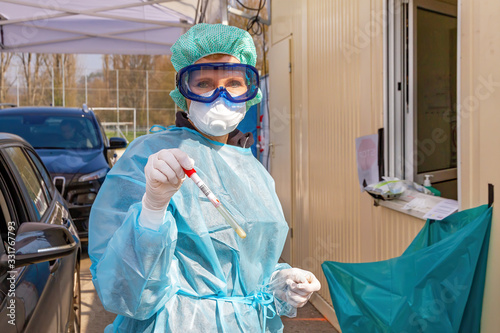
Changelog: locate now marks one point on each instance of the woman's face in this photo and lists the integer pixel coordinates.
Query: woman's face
(214, 59)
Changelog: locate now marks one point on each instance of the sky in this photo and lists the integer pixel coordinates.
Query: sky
(92, 62)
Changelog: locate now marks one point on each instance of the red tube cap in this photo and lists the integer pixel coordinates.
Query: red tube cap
(189, 172)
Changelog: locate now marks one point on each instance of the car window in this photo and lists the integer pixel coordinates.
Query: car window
(45, 180)
(6, 220)
(8, 224)
(53, 131)
(16, 209)
(103, 133)
(30, 179)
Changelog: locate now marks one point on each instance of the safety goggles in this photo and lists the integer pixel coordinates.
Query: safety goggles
(206, 82)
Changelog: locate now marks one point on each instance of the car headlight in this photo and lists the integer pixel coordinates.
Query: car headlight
(94, 175)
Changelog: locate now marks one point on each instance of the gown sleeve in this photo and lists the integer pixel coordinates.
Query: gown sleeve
(131, 264)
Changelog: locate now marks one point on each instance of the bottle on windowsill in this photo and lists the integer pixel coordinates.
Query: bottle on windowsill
(428, 185)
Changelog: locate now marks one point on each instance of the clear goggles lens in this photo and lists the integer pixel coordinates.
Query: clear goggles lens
(206, 82)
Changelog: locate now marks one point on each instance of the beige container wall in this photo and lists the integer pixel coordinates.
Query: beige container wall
(480, 136)
(337, 95)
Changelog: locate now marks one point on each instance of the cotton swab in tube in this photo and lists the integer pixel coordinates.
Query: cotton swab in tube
(217, 204)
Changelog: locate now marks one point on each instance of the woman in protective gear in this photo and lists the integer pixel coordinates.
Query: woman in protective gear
(162, 256)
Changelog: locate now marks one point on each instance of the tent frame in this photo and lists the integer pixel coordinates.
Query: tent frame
(96, 12)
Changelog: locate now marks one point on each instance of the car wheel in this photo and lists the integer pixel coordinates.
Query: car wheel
(76, 307)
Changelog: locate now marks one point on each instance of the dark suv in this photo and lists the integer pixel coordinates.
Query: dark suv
(39, 249)
(73, 147)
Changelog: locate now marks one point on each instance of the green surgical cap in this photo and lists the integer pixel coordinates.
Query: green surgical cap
(205, 39)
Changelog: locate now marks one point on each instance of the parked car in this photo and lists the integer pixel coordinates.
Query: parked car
(73, 146)
(40, 248)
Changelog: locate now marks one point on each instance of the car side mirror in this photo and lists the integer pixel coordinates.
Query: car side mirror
(38, 242)
(116, 142)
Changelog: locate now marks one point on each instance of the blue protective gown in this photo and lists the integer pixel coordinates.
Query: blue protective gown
(194, 274)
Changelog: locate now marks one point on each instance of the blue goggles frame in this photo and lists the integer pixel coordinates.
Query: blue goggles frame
(252, 89)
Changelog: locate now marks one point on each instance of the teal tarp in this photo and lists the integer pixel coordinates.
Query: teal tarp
(436, 285)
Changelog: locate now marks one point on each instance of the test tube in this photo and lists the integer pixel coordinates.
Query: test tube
(217, 204)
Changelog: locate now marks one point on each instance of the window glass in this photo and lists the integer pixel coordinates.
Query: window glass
(46, 180)
(436, 91)
(53, 131)
(8, 226)
(4, 217)
(421, 117)
(30, 180)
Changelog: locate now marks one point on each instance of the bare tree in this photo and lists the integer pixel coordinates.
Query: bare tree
(107, 67)
(161, 82)
(34, 78)
(132, 78)
(5, 60)
(54, 71)
(70, 65)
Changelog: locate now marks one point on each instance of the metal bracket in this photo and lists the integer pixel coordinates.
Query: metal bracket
(491, 194)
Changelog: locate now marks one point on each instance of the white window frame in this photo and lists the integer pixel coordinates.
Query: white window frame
(400, 117)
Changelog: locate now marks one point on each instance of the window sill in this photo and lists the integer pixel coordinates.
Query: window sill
(401, 204)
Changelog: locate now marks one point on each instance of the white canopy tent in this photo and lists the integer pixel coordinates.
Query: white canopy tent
(96, 26)
(103, 26)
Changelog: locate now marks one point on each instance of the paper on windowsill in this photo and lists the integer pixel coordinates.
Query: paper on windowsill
(418, 201)
(419, 204)
(442, 210)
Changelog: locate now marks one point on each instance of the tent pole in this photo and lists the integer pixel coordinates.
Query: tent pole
(147, 101)
(63, 91)
(52, 72)
(17, 80)
(117, 100)
(175, 104)
(86, 96)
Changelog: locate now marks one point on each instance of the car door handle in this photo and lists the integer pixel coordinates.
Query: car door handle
(66, 222)
(55, 266)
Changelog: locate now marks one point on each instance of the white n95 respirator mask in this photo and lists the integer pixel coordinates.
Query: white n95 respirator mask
(217, 118)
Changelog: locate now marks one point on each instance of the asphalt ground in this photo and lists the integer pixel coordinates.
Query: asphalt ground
(95, 318)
